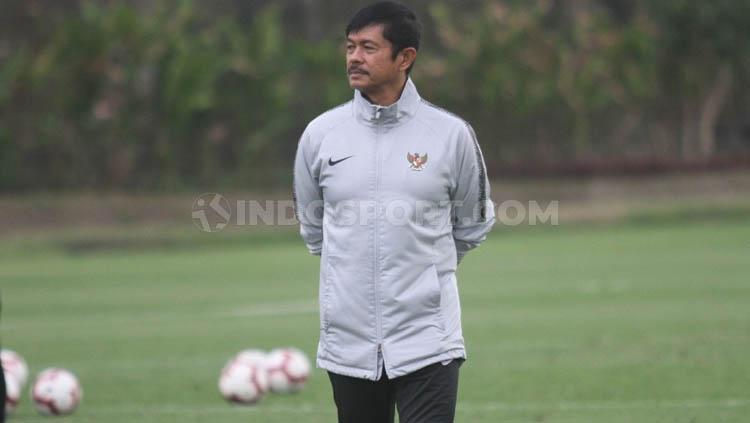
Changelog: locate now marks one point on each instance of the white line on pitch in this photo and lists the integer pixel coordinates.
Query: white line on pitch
(275, 309)
(269, 309)
(606, 405)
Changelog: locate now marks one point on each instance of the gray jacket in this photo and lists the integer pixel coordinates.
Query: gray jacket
(391, 198)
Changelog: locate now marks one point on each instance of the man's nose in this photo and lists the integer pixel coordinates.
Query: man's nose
(355, 56)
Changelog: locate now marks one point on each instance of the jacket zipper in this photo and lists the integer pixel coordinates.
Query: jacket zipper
(378, 329)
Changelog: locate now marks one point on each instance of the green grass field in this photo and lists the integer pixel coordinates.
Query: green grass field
(624, 323)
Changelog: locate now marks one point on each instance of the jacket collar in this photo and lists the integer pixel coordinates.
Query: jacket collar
(401, 110)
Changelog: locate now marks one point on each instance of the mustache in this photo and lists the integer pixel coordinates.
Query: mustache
(355, 69)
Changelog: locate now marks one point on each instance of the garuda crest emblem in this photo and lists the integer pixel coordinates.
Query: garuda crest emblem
(416, 161)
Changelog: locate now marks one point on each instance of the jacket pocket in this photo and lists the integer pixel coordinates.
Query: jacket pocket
(434, 292)
(413, 299)
(325, 296)
(335, 310)
(437, 294)
(346, 297)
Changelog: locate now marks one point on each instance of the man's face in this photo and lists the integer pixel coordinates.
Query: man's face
(369, 61)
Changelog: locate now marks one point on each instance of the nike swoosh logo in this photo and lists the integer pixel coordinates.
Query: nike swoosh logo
(331, 162)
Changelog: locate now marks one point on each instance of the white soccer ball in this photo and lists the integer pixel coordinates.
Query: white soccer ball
(14, 364)
(242, 382)
(56, 392)
(288, 370)
(12, 393)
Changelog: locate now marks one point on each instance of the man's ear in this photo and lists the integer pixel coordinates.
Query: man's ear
(407, 56)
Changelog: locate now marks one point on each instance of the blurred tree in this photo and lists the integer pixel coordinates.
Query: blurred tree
(705, 48)
(176, 94)
(530, 59)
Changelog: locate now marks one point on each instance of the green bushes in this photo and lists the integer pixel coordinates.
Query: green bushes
(120, 99)
(112, 97)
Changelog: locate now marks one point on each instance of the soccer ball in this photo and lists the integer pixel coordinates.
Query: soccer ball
(242, 382)
(14, 364)
(56, 392)
(12, 393)
(288, 370)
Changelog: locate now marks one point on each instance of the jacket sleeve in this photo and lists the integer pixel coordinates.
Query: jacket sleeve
(307, 196)
(473, 210)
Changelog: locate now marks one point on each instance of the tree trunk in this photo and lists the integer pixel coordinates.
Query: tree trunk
(712, 110)
(313, 25)
(688, 128)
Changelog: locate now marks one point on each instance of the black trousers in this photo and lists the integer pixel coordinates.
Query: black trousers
(427, 395)
(2, 392)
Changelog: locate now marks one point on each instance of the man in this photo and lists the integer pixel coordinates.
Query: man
(3, 392)
(391, 192)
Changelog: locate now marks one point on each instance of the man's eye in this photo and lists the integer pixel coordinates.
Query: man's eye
(369, 49)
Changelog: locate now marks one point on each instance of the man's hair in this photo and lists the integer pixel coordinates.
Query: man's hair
(400, 25)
